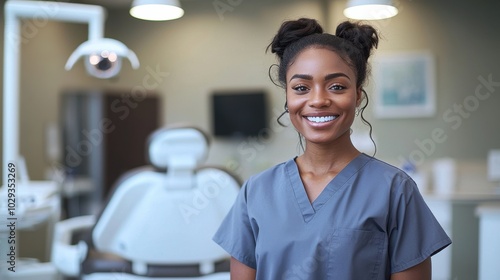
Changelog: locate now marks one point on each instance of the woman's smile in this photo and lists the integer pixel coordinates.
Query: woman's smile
(321, 121)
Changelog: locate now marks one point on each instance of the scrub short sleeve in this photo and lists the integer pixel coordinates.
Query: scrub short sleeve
(415, 233)
(235, 234)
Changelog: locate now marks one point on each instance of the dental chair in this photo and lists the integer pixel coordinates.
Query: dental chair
(159, 220)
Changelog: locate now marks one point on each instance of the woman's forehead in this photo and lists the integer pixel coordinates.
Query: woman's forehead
(318, 60)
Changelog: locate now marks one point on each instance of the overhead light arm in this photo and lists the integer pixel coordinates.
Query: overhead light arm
(15, 11)
(93, 15)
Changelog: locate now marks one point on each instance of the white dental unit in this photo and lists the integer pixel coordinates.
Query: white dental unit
(158, 223)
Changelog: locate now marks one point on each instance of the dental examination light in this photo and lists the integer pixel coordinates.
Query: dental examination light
(103, 56)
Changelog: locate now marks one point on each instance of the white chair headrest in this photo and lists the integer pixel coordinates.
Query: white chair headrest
(177, 148)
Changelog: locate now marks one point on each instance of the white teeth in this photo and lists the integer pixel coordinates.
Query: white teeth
(321, 119)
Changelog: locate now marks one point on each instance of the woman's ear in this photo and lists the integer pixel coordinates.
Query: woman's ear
(359, 96)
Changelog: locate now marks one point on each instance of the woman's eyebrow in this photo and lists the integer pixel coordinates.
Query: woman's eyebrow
(327, 77)
(301, 76)
(336, 75)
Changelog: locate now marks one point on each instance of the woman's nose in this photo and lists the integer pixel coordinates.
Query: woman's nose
(319, 98)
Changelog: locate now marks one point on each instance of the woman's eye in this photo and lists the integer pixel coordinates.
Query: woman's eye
(300, 88)
(337, 87)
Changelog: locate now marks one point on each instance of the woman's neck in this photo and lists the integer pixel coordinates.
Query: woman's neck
(327, 157)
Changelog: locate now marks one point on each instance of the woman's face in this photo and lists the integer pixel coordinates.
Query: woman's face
(321, 95)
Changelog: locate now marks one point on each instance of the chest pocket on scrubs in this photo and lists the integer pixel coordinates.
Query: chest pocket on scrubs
(355, 254)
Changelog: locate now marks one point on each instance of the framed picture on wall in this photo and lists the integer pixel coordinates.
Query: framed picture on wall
(404, 85)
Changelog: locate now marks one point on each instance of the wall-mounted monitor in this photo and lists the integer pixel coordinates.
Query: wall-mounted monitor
(239, 113)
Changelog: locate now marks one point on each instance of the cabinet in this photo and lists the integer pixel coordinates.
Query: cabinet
(457, 214)
(489, 243)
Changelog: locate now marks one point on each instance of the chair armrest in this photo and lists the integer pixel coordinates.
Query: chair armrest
(65, 256)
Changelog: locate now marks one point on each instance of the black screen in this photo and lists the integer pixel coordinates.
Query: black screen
(239, 114)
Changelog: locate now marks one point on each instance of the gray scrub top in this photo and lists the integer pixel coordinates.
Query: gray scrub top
(368, 223)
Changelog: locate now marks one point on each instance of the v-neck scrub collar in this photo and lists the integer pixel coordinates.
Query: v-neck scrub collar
(307, 208)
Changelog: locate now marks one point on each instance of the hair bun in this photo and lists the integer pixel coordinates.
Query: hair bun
(291, 31)
(363, 36)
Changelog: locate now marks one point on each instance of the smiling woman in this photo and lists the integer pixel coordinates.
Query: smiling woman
(331, 210)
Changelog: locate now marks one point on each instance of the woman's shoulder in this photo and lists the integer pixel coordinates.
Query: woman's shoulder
(266, 184)
(375, 166)
(387, 176)
(272, 178)
(274, 172)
